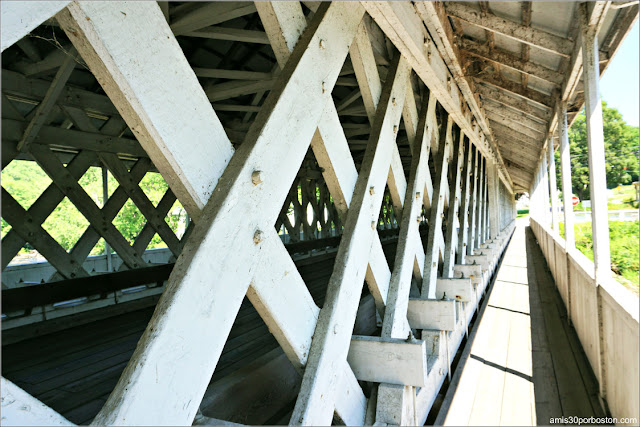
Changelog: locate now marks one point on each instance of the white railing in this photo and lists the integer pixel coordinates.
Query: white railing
(605, 317)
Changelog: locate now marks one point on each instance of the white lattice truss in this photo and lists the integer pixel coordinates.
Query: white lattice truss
(236, 200)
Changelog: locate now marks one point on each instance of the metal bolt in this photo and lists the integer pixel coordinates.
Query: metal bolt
(322, 46)
(256, 177)
(258, 237)
(373, 225)
(371, 191)
(323, 88)
(418, 195)
(393, 101)
(419, 219)
(395, 129)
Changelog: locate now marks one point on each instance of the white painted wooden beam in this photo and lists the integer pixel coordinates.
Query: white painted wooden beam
(458, 289)
(553, 186)
(395, 323)
(388, 360)
(565, 165)
(435, 314)
(96, 31)
(283, 23)
(434, 249)
(595, 145)
(317, 395)
(465, 220)
(20, 17)
(19, 408)
(173, 364)
(473, 219)
(453, 222)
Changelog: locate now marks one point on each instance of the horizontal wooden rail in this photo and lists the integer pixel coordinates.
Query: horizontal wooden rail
(27, 297)
(49, 293)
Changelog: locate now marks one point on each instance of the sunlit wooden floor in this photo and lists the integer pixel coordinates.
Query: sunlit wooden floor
(525, 364)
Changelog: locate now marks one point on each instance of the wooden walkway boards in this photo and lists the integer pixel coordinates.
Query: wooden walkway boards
(525, 363)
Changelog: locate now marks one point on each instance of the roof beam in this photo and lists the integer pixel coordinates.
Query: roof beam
(525, 18)
(232, 34)
(531, 36)
(211, 14)
(509, 60)
(43, 110)
(517, 89)
(491, 92)
(435, 19)
(403, 26)
(516, 116)
(510, 133)
(521, 131)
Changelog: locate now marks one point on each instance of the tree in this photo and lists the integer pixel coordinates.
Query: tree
(621, 152)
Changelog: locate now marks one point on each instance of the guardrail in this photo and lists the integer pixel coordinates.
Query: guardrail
(605, 317)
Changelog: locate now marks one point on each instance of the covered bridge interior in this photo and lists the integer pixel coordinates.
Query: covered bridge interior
(349, 172)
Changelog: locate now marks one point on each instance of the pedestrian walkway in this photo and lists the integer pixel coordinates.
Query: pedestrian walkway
(525, 364)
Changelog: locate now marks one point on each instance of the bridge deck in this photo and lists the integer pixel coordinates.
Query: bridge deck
(525, 362)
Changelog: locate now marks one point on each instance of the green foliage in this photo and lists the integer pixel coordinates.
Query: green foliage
(522, 213)
(25, 181)
(623, 237)
(621, 152)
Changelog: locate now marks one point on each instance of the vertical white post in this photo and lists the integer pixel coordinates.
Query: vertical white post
(545, 191)
(565, 165)
(493, 203)
(105, 197)
(553, 187)
(595, 145)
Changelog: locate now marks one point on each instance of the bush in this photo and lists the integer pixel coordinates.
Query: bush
(623, 238)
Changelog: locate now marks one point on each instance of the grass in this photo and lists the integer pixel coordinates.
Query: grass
(623, 198)
(522, 213)
(623, 237)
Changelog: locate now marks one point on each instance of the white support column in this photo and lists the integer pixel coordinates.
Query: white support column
(465, 220)
(565, 164)
(595, 145)
(478, 231)
(553, 188)
(494, 204)
(473, 211)
(487, 170)
(454, 204)
(434, 247)
(546, 219)
(105, 197)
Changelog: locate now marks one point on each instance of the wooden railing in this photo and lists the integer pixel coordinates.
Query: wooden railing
(605, 317)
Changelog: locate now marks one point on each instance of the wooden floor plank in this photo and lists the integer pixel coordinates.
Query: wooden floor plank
(526, 364)
(75, 370)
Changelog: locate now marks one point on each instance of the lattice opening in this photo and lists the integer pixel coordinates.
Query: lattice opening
(176, 219)
(25, 181)
(387, 218)
(154, 186)
(129, 221)
(66, 224)
(91, 182)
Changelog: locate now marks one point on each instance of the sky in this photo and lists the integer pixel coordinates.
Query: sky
(619, 84)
